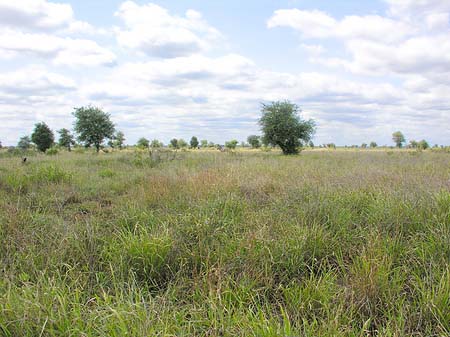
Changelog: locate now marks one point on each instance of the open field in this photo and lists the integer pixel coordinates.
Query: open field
(327, 243)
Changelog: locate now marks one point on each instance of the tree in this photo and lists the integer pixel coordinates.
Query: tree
(311, 144)
(254, 141)
(66, 139)
(398, 138)
(373, 145)
(194, 142)
(182, 143)
(24, 143)
(174, 143)
(211, 144)
(282, 126)
(364, 145)
(231, 144)
(119, 139)
(93, 126)
(204, 143)
(42, 136)
(143, 143)
(156, 143)
(1, 146)
(423, 144)
(413, 144)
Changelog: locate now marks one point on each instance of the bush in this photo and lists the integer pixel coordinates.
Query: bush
(52, 151)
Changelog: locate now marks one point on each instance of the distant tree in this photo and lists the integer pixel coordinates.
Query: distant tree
(211, 144)
(93, 126)
(231, 144)
(174, 143)
(398, 138)
(156, 143)
(1, 146)
(66, 139)
(204, 143)
(413, 144)
(254, 141)
(24, 143)
(182, 143)
(194, 142)
(423, 144)
(373, 145)
(282, 126)
(364, 145)
(311, 144)
(42, 136)
(119, 139)
(143, 143)
(330, 145)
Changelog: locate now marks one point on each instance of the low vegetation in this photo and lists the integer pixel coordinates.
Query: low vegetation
(241, 243)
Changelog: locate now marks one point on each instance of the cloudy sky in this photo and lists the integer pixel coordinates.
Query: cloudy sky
(163, 69)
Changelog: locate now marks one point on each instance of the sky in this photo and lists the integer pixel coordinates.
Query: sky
(165, 69)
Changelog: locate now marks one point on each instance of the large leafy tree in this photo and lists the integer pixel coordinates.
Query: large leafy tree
(194, 142)
(282, 126)
(66, 139)
(93, 126)
(24, 143)
(398, 138)
(42, 136)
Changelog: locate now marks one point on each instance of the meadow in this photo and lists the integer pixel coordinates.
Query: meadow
(244, 243)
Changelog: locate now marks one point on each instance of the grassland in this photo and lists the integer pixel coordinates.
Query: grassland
(328, 243)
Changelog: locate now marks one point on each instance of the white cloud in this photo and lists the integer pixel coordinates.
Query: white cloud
(62, 51)
(151, 29)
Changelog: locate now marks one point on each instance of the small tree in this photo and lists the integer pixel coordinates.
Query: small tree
(143, 143)
(413, 144)
(373, 145)
(42, 136)
(1, 146)
(364, 145)
(282, 126)
(311, 144)
(119, 139)
(231, 144)
(156, 143)
(398, 138)
(93, 126)
(423, 144)
(182, 143)
(254, 141)
(204, 143)
(174, 143)
(211, 144)
(66, 139)
(24, 143)
(194, 142)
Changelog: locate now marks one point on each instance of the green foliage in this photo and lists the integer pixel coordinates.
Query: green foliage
(364, 145)
(119, 140)
(254, 141)
(194, 142)
(423, 145)
(93, 126)
(143, 143)
(231, 144)
(174, 143)
(42, 136)
(281, 126)
(66, 139)
(156, 144)
(182, 143)
(373, 145)
(398, 138)
(24, 143)
(204, 143)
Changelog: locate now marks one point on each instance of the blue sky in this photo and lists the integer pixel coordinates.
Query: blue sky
(164, 69)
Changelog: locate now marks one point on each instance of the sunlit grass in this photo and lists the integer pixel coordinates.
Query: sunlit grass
(204, 243)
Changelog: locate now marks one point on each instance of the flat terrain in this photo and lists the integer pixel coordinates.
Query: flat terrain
(327, 243)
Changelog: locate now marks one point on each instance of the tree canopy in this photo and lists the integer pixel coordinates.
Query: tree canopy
(398, 139)
(194, 142)
(42, 136)
(254, 141)
(282, 126)
(65, 139)
(93, 126)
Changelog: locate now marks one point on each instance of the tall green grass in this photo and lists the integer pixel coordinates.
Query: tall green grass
(328, 243)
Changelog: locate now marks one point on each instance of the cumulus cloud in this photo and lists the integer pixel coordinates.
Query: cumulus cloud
(152, 30)
(61, 50)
